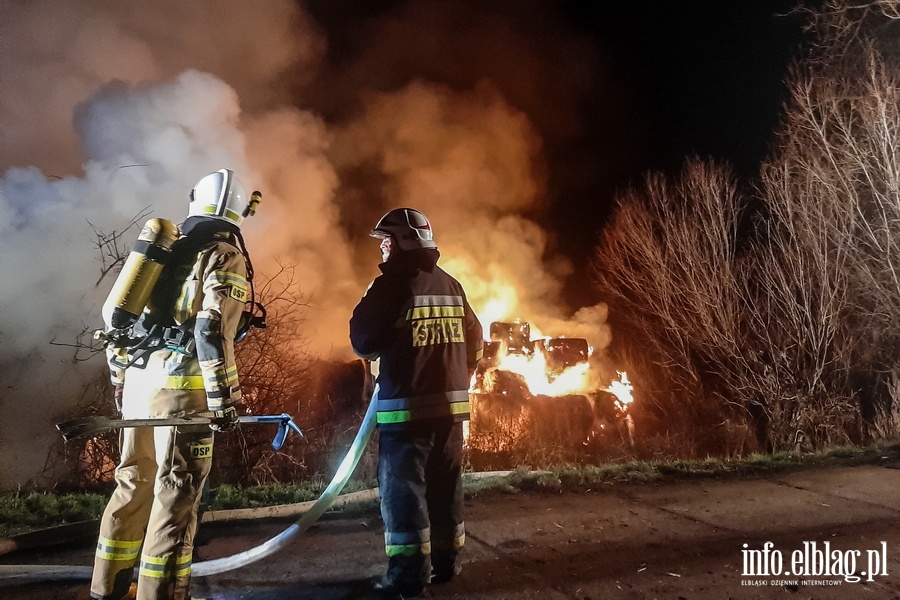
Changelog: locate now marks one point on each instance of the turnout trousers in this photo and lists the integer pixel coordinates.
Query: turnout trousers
(151, 518)
(158, 490)
(420, 482)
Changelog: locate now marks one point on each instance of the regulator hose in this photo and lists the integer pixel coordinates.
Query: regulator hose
(16, 574)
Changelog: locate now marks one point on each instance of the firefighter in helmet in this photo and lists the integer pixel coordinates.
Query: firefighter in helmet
(188, 367)
(415, 320)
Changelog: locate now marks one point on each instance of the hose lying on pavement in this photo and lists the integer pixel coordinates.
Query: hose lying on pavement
(15, 574)
(307, 519)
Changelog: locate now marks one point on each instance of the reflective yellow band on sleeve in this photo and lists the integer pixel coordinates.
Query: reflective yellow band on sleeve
(237, 283)
(226, 278)
(223, 377)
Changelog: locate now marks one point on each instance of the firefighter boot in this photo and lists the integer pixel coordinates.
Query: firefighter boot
(122, 586)
(407, 577)
(443, 570)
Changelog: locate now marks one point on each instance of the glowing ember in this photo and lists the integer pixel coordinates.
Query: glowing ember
(621, 389)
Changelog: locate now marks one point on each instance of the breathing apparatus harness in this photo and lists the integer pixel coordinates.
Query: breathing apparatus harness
(155, 327)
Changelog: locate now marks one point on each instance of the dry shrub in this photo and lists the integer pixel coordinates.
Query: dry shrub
(773, 309)
(511, 430)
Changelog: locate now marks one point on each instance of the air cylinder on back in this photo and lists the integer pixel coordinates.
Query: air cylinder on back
(134, 285)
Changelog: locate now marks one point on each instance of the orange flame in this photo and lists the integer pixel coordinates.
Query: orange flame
(499, 301)
(533, 369)
(621, 389)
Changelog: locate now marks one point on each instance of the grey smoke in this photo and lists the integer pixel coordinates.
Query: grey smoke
(111, 111)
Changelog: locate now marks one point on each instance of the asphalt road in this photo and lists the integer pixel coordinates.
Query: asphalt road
(837, 528)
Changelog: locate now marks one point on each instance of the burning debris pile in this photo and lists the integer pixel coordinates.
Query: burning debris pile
(545, 396)
(546, 366)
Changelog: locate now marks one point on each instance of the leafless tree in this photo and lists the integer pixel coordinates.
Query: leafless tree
(110, 246)
(778, 306)
(828, 267)
(274, 367)
(670, 267)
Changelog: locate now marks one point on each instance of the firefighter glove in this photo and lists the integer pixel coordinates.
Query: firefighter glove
(225, 420)
(117, 397)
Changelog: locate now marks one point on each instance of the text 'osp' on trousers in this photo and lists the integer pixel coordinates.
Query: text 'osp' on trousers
(151, 518)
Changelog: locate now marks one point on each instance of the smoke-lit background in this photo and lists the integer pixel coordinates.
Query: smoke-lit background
(509, 124)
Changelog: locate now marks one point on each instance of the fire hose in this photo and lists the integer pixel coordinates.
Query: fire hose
(16, 574)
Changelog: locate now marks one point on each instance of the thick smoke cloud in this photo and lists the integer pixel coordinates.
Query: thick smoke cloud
(57, 53)
(472, 164)
(111, 112)
(143, 146)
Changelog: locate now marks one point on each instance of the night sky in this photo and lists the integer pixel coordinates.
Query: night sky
(654, 83)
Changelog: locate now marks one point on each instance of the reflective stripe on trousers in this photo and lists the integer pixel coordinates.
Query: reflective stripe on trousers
(159, 481)
(165, 567)
(420, 481)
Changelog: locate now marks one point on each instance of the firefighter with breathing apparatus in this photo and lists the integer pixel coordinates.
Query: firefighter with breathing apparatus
(181, 300)
(416, 321)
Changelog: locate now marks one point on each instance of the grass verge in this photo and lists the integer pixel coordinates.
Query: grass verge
(26, 511)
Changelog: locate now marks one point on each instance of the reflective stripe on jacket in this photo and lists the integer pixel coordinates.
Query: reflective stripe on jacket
(416, 321)
(206, 292)
(400, 410)
(218, 285)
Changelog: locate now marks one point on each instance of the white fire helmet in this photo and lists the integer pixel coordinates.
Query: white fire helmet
(407, 227)
(220, 195)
